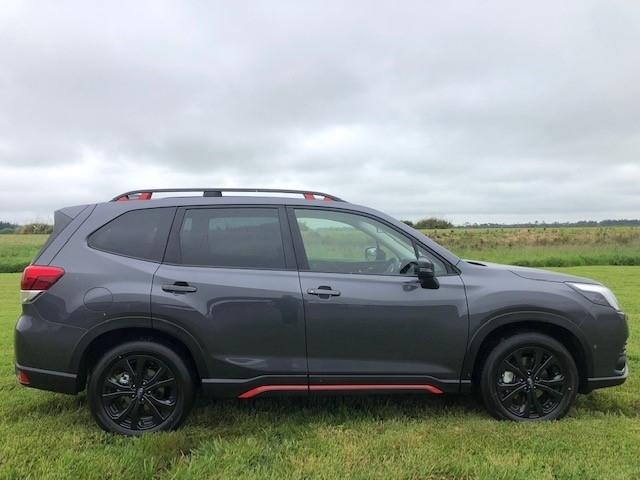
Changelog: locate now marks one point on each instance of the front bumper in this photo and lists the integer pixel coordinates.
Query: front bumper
(606, 332)
(603, 382)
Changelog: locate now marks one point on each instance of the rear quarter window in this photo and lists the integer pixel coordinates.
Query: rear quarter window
(138, 233)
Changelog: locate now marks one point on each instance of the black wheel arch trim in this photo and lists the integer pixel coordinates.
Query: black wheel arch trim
(162, 326)
(521, 318)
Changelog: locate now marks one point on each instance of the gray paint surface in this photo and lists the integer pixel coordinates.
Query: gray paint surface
(251, 326)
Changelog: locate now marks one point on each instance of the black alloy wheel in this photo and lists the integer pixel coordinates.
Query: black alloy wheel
(529, 377)
(140, 387)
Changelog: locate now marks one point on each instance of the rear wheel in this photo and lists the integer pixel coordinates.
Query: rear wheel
(140, 387)
(529, 377)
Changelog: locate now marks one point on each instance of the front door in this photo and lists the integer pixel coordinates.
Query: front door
(368, 323)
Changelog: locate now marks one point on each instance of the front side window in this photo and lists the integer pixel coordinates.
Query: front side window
(138, 233)
(340, 242)
(231, 237)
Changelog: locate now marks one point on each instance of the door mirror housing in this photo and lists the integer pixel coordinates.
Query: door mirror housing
(372, 254)
(425, 271)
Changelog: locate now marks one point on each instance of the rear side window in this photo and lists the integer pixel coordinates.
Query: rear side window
(138, 233)
(231, 237)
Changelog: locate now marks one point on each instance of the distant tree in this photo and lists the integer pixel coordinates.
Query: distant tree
(433, 222)
(408, 222)
(4, 225)
(31, 228)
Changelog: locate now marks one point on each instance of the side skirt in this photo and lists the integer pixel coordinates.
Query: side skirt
(342, 388)
(269, 385)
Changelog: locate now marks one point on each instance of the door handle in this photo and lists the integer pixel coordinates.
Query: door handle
(179, 287)
(324, 291)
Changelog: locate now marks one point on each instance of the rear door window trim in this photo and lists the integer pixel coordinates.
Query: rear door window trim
(172, 252)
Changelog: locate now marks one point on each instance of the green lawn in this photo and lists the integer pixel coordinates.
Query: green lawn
(16, 251)
(46, 435)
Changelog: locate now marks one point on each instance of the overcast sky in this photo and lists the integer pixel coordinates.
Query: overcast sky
(473, 111)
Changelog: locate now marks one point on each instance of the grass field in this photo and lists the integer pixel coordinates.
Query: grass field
(544, 247)
(535, 247)
(45, 435)
(16, 251)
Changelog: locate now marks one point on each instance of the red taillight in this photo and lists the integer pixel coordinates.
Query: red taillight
(22, 377)
(40, 277)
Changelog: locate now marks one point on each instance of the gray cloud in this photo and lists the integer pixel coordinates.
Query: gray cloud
(476, 111)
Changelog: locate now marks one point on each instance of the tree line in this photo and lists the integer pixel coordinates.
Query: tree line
(439, 223)
(29, 228)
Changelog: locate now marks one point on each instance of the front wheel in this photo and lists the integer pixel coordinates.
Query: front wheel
(140, 387)
(529, 377)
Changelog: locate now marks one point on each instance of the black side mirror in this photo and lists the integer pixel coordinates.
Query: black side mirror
(426, 273)
(374, 254)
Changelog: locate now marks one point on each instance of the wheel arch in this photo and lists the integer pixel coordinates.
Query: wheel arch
(98, 340)
(553, 325)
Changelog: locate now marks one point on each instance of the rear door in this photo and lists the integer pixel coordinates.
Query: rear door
(229, 279)
(367, 322)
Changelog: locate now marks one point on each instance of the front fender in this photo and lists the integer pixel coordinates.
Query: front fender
(526, 318)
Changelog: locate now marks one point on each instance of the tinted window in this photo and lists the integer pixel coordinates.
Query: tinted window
(349, 243)
(138, 233)
(231, 237)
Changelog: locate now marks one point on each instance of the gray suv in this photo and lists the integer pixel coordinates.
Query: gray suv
(158, 294)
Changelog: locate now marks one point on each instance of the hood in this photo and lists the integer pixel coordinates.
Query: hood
(535, 273)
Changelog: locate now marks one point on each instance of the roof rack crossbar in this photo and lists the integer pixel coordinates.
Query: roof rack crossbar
(147, 193)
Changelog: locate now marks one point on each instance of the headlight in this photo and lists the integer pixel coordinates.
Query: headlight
(596, 293)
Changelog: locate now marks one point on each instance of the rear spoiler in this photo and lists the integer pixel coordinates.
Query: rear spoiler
(65, 222)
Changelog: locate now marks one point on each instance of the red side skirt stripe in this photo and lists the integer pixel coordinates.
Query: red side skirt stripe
(272, 388)
(333, 388)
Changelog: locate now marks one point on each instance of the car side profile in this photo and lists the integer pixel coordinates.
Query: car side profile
(154, 296)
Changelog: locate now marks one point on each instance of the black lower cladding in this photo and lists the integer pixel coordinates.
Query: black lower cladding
(60, 382)
(139, 392)
(235, 387)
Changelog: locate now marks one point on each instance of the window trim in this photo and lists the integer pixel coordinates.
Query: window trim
(111, 252)
(301, 254)
(172, 251)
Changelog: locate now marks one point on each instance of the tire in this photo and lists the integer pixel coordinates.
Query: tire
(140, 387)
(529, 377)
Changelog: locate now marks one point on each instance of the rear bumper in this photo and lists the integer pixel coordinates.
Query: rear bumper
(43, 352)
(61, 382)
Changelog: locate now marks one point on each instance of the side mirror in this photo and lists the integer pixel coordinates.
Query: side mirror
(374, 253)
(426, 273)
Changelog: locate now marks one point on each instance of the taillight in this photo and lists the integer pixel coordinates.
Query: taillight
(37, 279)
(22, 377)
